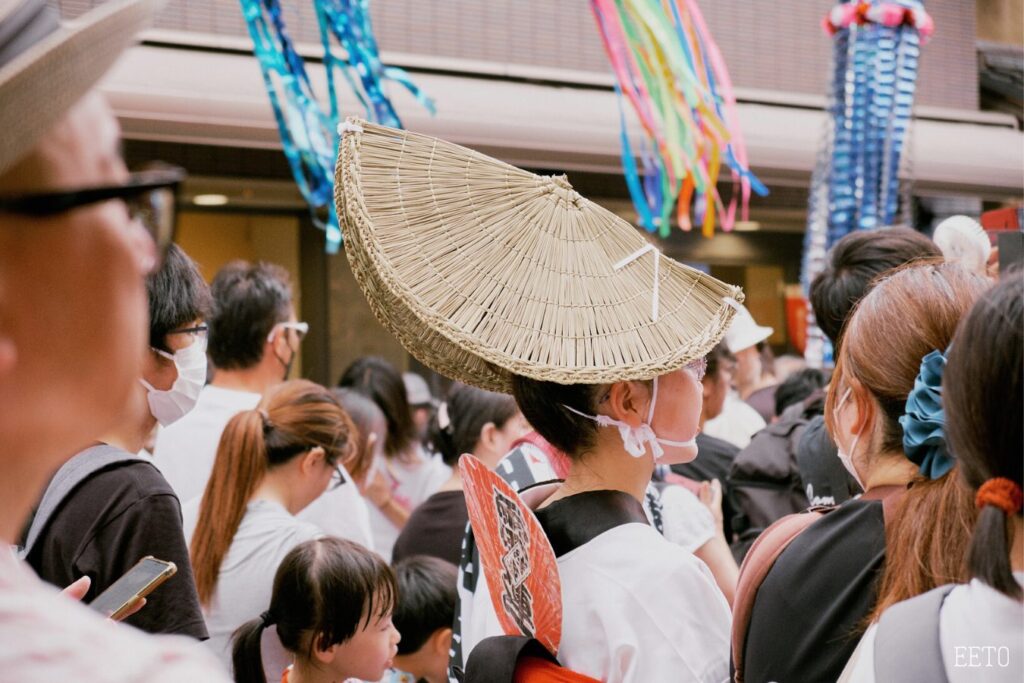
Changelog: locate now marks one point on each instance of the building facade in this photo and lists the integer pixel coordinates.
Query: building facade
(527, 81)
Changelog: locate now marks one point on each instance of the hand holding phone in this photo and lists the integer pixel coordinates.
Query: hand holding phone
(122, 597)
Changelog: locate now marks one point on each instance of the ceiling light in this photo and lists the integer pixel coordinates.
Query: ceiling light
(210, 200)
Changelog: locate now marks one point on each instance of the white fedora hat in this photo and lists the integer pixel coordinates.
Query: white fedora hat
(46, 66)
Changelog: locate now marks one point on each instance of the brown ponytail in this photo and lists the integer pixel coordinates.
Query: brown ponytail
(293, 418)
(927, 539)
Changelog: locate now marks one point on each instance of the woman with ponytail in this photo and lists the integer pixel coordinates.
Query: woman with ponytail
(973, 631)
(271, 463)
(482, 423)
(331, 607)
(820, 592)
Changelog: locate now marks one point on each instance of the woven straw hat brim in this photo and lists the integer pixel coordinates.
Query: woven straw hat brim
(40, 85)
(482, 270)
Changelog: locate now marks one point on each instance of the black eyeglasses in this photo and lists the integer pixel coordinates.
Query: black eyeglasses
(198, 331)
(149, 195)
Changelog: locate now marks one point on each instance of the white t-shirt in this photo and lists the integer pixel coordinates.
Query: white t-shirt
(685, 520)
(342, 512)
(412, 483)
(737, 423)
(186, 449)
(981, 636)
(636, 608)
(46, 637)
(267, 533)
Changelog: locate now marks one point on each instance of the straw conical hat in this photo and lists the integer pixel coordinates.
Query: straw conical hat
(483, 270)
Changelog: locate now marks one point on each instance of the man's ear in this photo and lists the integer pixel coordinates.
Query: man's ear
(279, 337)
(312, 458)
(628, 401)
(441, 641)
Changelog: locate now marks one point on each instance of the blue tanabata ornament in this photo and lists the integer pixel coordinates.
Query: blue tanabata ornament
(309, 132)
(855, 185)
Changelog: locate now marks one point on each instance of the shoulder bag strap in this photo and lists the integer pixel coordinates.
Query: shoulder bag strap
(756, 565)
(68, 477)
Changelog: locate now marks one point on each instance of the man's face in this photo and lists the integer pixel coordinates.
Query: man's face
(748, 368)
(72, 297)
(716, 386)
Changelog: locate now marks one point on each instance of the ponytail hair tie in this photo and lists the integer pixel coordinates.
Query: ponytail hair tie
(267, 424)
(1001, 493)
(266, 619)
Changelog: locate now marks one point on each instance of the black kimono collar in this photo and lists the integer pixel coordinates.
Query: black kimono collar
(578, 519)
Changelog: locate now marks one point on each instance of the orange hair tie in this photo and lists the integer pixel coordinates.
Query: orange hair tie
(1002, 493)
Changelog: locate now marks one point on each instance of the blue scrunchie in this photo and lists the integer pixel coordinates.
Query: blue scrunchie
(924, 438)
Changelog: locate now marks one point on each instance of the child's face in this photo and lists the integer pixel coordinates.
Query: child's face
(430, 662)
(369, 653)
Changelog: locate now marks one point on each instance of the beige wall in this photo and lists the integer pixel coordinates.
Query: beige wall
(1001, 21)
(354, 329)
(213, 239)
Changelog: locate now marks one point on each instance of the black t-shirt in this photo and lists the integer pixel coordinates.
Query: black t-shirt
(810, 609)
(105, 526)
(435, 528)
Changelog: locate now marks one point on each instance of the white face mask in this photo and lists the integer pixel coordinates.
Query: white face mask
(635, 439)
(847, 457)
(174, 403)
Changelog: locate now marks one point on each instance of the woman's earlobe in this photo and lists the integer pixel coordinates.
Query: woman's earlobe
(624, 403)
(487, 435)
(314, 456)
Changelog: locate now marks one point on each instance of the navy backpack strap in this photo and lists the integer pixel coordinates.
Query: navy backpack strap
(68, 477)
(907, 646)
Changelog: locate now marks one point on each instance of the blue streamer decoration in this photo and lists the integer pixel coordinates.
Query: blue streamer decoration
(855, 185)
(308, 132)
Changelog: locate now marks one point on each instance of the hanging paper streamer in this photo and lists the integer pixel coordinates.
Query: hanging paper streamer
(309, 132)
(855, 185)
(669, 69)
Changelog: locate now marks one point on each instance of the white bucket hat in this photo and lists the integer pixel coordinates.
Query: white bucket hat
(745, 332)
(46, 67)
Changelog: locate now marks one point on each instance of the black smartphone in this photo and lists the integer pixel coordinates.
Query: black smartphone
(137, 582)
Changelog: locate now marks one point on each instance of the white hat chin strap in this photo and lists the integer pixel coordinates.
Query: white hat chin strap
(635, 439)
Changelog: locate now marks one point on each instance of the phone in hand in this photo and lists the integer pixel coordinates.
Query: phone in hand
(137, 582)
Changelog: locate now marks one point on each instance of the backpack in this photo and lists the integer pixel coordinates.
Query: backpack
(764, 479)
(907, 647)
(767, 549)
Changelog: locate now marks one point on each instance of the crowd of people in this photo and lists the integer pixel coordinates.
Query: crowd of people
(715, 513)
